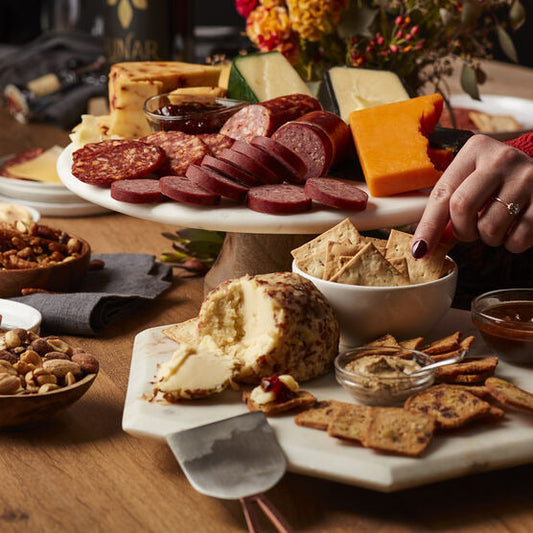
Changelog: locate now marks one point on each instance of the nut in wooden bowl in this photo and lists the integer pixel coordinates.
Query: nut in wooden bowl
(36, 257)
(40, 376)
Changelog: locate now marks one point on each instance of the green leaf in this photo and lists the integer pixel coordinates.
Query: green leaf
(356, 21)
(517, 15)
(469, 81)
(506, 44)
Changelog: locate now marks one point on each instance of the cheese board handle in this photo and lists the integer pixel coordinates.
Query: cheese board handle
(277, 519)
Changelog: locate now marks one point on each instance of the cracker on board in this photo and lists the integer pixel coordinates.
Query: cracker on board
(443, 345)
(474, 365)
(369, 267)
(397, 430)
(412, 344)
(184, 332)
(493, 123)
(384, 340)
(451, 408)
(510, 394)
(420, 270)
(334, 250)
(319, 415)
(350, 422)
(302, 399)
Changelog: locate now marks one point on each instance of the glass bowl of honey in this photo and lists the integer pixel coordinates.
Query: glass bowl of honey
(505, 320)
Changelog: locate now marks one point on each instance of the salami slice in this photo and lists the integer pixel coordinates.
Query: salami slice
(181, 150)
(18, 159)
(336, 193)
(310, 143)
(295, 167)
(279, 199)
(230, 170)
(250, 165)
(216, 142)
(335, 128)
(183, 189)
(139, 191)
(108, 161)
(217, 183)
(266, 117)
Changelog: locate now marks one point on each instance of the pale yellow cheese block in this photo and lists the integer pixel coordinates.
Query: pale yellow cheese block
(202, 91)
(42, 168)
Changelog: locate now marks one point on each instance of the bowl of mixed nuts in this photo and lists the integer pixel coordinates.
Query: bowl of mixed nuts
(36, 257)
(40, 375)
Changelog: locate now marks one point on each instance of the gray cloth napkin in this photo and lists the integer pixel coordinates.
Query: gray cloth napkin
(126, 282)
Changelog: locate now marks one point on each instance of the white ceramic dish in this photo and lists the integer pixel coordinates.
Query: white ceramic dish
(365, 313)
(312, 452)
(19, 315)
(380, 212)
(35, 215)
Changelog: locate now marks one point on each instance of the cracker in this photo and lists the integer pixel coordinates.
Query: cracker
(302, 399)
(493, 123)
(184, 332)
(481, 391)
(350, 422)
(510, 394)
(384, 340)
(451, 408)
(319, 415)
(467, 379)
(312, 264)
(396, 430)
(446, 344)
(412, 344)
(473, 365)
(370, 268)
(334, 250)
(420, 270)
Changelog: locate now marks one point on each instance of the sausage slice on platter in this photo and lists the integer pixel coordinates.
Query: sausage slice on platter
(138, 191)
(230, 170)
(217, 183)
(336, 193)
(262, 173)
(112, 160)
(183, 189)
(216, 142)
(280, 199)
(266, 117)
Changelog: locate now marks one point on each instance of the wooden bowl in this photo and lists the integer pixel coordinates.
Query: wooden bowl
(62, 277)
(17, 410)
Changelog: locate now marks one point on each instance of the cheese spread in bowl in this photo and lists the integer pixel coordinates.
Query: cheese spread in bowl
(383, 375)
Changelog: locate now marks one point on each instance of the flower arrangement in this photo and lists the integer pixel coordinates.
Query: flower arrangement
(417, 39)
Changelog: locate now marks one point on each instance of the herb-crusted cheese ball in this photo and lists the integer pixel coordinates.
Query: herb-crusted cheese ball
(275, 323)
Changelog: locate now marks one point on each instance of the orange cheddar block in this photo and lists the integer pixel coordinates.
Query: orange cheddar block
(393, 147)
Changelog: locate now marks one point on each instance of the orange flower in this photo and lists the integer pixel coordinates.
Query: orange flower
(313, 19)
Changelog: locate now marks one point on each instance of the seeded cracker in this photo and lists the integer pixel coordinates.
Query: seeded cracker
(474, 365)
(510, 394)
(397, 430)
(446, 344)
(451, 408)
(319, 415)
(303, 399)
(350, 422)
(334, 250)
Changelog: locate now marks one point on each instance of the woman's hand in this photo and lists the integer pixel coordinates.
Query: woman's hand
(486, 193)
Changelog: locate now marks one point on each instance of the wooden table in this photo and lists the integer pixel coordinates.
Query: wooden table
(80, 472)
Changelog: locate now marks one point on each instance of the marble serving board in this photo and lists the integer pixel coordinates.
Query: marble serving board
(311, 452)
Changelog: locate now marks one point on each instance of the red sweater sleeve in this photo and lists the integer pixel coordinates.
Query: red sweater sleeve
(524, 143)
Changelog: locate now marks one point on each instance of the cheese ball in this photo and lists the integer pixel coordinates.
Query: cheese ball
(277, 323)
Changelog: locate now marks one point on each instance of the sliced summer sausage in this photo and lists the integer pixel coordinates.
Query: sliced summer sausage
(230, 170)
(266, 117)
(250, 165)
(336, 193)
(138, 191)
(280, 199)
(216, 142)
(310, 143)
(183, 189)
(217, 183)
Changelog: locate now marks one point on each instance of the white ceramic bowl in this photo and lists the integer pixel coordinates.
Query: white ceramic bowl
(365, 313)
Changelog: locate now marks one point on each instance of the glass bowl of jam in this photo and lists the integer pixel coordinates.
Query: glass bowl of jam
(191, 114)
(505, 320)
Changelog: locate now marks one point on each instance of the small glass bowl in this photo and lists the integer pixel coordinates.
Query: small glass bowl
(505, 320)
(373, 389)
(192, 114)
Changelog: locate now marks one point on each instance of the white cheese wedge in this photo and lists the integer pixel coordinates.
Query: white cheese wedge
(262, 76)
(347, 89)
(42, 168)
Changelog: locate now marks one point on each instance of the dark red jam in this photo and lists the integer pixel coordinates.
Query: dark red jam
(192, 117)
(274, 384)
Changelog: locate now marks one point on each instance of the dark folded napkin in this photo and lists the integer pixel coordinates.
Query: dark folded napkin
(126, 282)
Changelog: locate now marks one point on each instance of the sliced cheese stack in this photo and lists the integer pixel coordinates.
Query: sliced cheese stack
(263, 76)
(41, 168)
(347, 89)
(392, 144)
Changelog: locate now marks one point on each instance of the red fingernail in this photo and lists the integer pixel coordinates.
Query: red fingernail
(419, 248)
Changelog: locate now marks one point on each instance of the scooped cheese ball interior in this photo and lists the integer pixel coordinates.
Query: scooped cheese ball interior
(275, 323)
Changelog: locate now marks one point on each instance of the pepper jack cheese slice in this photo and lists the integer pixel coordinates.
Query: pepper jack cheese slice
(132, 83)
(263, 76)
(392, 144)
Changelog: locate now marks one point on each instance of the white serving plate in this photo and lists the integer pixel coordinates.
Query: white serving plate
(380, 212)
(311, 452)
(19, 315)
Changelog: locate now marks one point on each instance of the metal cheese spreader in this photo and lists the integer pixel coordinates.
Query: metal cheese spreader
(236, 458)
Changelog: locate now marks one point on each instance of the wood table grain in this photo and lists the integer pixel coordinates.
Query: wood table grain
(79, 472)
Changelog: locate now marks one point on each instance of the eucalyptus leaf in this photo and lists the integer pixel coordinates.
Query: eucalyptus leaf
(506, 44)
(469, 13)
(469, 81)
(356, 21)
(517, 15)
(445, 16)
